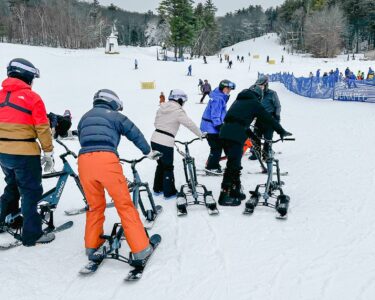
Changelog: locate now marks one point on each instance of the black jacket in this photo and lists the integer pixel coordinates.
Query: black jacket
(271, 103)
(242, 113)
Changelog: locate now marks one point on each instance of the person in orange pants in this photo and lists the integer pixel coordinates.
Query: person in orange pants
(99, 168)
(99, 171)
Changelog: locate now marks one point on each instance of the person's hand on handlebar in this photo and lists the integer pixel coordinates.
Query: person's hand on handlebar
(285, 134)
(203, 136)
(154, 155)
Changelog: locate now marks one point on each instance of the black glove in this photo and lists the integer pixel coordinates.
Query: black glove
(285, 134)
(277, 118)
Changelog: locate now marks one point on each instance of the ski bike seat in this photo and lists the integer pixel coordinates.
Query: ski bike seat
(192, 189)
(271, 189)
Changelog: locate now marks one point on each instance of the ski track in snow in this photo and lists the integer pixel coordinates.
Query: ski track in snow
(323, 251)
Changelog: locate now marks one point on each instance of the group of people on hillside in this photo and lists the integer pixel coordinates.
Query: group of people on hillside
(348, 74)
(26, 131)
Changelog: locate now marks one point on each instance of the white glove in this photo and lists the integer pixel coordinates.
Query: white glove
(48, 162)
(203, 136)
(154, 155)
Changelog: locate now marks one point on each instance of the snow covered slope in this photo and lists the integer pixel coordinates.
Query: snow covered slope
(323, 251)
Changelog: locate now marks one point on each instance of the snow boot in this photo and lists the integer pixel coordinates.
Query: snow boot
(237, 192)
(46, 238)
(214, 172)
(226, 199)
(138, 260)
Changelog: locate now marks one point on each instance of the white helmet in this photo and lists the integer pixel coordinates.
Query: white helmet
(109, 97)
(178, 95)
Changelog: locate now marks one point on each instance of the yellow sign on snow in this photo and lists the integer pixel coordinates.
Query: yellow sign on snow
(272, 62)
(256, 56)
(148, 85)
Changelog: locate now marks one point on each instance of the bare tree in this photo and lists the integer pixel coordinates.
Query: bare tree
(324, 32)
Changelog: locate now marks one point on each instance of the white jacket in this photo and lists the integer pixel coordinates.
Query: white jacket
(168, 119)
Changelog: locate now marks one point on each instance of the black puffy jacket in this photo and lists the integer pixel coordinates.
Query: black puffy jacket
(242, 113)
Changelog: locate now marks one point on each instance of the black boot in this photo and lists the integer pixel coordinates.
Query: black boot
(237, 191)
(226, 199)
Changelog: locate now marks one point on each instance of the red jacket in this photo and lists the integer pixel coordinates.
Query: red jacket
(23, 119)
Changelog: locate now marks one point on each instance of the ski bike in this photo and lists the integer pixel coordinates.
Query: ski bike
(111, 246)
(192, 188)
(272, 189)
(110, 250)
(47, 204)
(137, 187)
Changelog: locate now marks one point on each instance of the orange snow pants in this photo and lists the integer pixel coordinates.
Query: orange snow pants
(101, 171)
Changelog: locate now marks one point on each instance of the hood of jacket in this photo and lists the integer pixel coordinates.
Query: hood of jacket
(169, 107)
(216, 93)
(14, 84)
(246, 95)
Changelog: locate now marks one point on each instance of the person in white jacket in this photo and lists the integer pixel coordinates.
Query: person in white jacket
(168, 119)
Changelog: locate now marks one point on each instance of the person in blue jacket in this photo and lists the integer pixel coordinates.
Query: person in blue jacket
(213, 118)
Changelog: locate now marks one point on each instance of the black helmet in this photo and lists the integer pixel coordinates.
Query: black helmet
(257, 91)
(22, 69)
(108, 97)
(263, 80)
(226, 83)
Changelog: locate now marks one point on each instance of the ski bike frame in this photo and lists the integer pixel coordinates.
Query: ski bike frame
(49, 201)
(271, 186)
(137, 187)
(192, 187)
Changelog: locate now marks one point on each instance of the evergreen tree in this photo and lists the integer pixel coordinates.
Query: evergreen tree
(180, 17)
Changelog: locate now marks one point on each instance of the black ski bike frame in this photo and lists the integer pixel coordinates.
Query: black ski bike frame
(137, 187)
(49, 201)
(271, 186)
(191, 188)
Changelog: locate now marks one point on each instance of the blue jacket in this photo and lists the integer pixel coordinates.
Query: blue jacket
(215, 112)
(101, 128)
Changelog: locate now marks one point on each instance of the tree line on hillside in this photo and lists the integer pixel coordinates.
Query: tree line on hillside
(68, 23)
(321, 27)
(325, 27)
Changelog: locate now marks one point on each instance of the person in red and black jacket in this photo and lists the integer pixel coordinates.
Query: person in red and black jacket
(23, 120)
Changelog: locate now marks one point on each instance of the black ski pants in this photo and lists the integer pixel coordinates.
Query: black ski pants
(216, 148)
(164, 176)
(204, 96)
(23, 177)
(234, 151)
(266, 132)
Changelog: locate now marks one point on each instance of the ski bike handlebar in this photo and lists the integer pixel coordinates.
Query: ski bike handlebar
(136, 161)
(279, 140)
(68, 151)
(190, 142)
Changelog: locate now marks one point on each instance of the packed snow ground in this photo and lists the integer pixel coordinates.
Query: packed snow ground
(323, 251)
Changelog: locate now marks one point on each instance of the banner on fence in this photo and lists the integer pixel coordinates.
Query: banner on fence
(354, 91)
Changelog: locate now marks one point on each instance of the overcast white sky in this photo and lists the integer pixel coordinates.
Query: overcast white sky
(223, 6)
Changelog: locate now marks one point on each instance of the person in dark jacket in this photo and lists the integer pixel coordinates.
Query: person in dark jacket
(272, 105)
(61, 124)
(99, 132)
(206, 89)
(234, 132)
(23, 119)
(212, 120)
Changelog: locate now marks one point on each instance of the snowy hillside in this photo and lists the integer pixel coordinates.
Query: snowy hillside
(324, 251)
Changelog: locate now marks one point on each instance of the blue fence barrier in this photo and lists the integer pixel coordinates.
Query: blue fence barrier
(329, 87)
